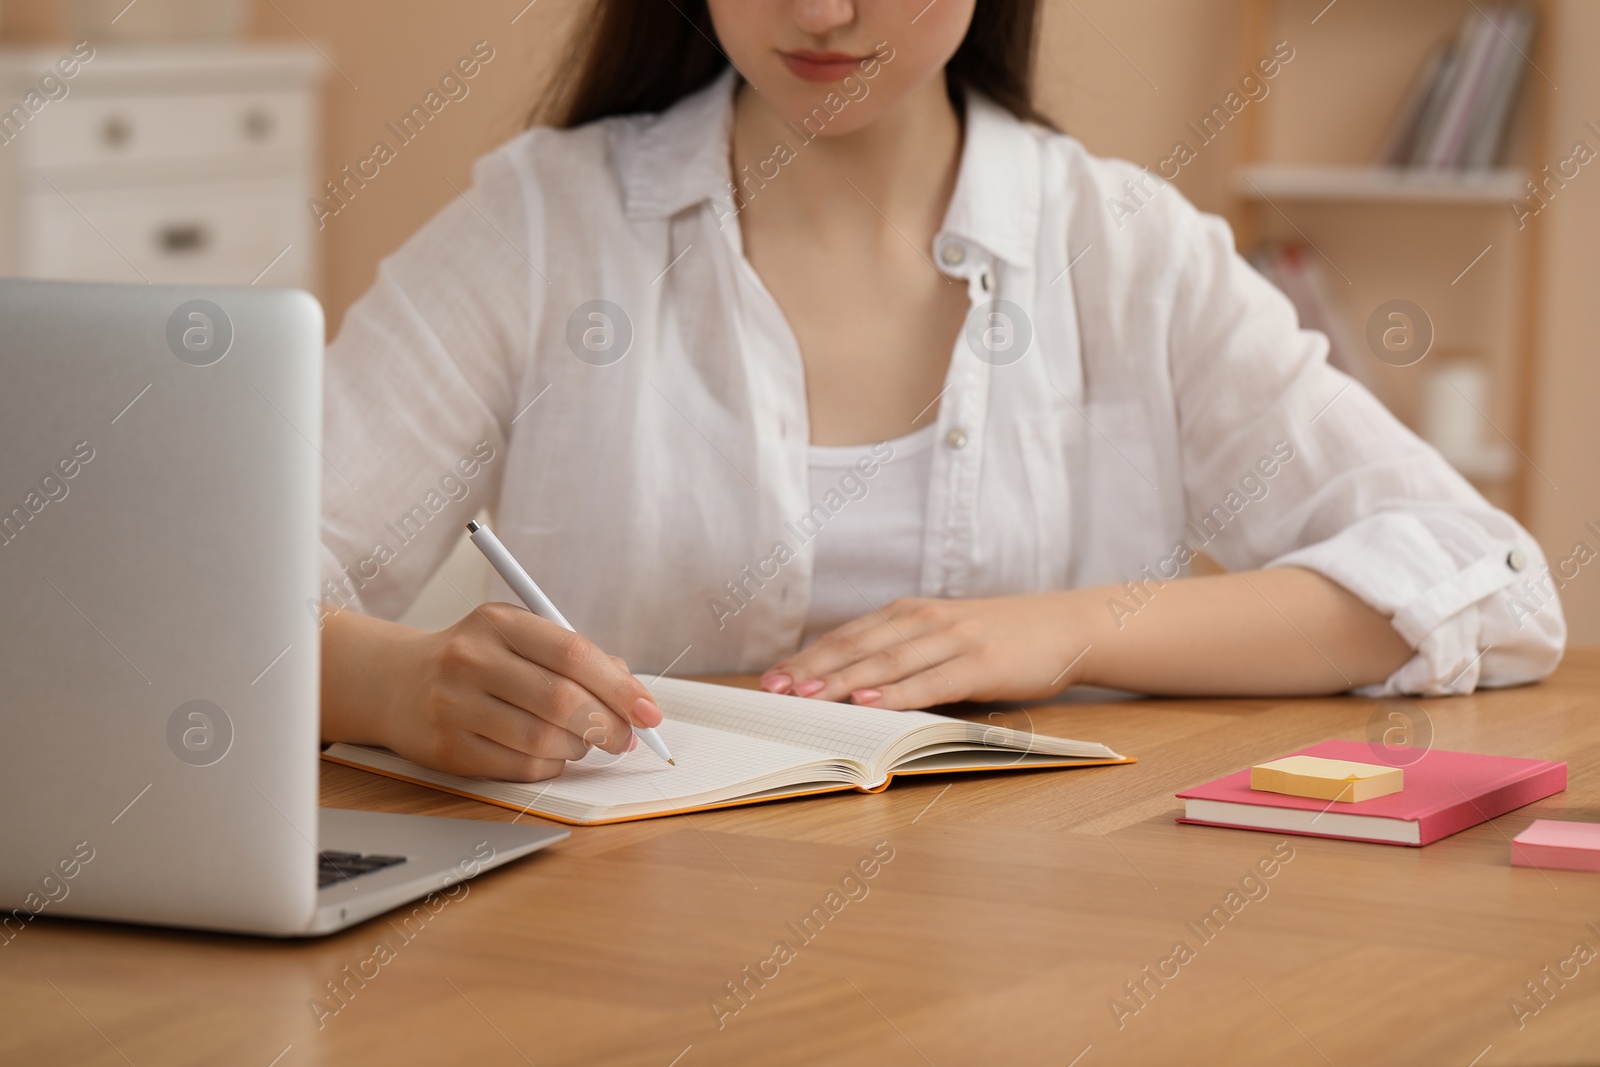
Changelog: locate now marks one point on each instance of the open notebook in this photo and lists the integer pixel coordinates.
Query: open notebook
(741, 746)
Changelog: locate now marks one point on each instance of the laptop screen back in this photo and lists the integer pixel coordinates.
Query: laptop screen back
(159, 493)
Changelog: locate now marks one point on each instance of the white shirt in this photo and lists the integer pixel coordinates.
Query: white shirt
(869, 533)
(651, 495)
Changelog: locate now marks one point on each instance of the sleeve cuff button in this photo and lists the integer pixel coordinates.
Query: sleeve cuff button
(1516, 560)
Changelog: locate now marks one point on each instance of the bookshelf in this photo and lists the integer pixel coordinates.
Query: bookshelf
(1446, 240)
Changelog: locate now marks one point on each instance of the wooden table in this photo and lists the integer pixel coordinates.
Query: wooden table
(1002, 930)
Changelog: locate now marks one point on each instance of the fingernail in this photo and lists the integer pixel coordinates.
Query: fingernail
(777, 683)
(633, 742)
(645, 712)
(811, 688)
(866, 696)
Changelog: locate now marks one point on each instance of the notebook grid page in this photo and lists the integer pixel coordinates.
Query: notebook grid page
(830, 729)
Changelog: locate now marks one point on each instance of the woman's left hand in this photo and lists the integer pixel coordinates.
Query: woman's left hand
(918, 652)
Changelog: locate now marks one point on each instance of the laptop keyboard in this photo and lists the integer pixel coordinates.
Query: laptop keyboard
(337, 866)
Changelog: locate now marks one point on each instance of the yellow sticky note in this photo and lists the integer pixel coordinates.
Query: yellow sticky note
(1326, 779)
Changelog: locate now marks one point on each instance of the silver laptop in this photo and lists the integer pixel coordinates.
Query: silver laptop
(159, 491)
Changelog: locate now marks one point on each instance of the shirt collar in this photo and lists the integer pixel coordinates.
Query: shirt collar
(679, 158)
(996, 200)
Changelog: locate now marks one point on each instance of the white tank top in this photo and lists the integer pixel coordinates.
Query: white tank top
(870, 551)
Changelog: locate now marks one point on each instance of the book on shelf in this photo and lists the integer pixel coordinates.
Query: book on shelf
(1456, 114)
(1485, 146)
(1417, 103)
(741, 746)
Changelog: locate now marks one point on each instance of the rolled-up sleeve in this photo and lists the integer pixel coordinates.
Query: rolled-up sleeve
(1360, 499)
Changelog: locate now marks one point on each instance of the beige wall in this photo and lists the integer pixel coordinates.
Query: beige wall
(389, 54)
(1122, 75)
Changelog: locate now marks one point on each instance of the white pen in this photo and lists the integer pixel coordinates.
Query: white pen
(521, 584)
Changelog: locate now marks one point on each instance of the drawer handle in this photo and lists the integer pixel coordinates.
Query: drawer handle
(117, 131)
(184, 238)
(258, 124)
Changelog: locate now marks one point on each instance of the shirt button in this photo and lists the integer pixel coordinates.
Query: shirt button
(956, 438)
(1516, 560)
(986, 280)
(953, 255)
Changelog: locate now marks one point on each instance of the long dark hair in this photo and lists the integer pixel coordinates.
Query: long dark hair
(646, 55)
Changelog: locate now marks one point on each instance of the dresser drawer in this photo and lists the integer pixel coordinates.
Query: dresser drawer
(221, 233)
(88, 130)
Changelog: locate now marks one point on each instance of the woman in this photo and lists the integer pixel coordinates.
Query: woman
(803, 346)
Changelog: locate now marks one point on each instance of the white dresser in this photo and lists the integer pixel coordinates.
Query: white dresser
(171, 165)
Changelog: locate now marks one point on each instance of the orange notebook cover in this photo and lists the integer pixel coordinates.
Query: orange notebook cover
(741, 746)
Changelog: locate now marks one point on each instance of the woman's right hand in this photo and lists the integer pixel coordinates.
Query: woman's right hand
(501, 694)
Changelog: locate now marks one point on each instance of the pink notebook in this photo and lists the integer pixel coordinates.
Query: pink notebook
(1560, 845)
(1445, 792)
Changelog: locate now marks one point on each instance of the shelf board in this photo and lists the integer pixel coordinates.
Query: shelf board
(1333, 182)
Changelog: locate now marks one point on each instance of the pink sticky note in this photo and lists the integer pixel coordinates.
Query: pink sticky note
(1561, 845)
